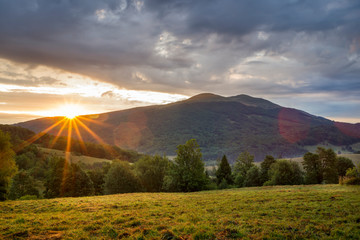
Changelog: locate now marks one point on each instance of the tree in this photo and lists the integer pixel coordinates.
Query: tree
(224, 172)
(56, 176)
(329, 162)
(265, 167)
(76, 183)
(344, 164)
(8, 166)
(97, 176)
(313, 168)
(285, 172)
(187, 173)
(252, 178)
(151, 171)
(242, 165)
(121, 179)
(22, 184)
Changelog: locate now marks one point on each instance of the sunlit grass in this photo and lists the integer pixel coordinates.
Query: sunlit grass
(318, 211)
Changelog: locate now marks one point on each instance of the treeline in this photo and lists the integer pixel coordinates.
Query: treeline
(31, 174)
(322, 167)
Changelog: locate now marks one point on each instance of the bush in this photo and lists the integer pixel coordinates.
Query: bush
(29, 197)
(352, 176)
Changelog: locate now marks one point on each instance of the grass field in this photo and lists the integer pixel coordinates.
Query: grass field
(283, 212)
(74, 158)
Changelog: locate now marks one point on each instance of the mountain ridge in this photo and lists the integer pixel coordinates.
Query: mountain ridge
(222, 125)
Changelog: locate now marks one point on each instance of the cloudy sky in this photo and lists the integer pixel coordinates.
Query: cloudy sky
(116, 54)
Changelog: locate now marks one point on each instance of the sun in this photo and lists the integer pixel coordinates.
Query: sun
(69, 110)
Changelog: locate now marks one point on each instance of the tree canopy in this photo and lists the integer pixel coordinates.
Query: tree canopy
(187, 173)
(8, 166)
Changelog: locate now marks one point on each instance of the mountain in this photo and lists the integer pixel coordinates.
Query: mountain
(221, 125)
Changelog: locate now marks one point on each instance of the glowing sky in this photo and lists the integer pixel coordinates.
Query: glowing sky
(116, 54)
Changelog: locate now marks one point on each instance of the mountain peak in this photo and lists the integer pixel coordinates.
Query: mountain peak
(253, 102)
(205, 97)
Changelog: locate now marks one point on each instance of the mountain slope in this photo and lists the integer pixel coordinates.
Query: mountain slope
(222, 125)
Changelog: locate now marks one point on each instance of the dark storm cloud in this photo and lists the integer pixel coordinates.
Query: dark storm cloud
(191, 46)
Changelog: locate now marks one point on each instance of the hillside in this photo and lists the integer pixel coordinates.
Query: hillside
(221, 125)
(282, 212)
(81, 151)
(74, 158)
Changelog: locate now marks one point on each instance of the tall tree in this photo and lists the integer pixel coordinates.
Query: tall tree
(242, 165)
(8, 166)
(329, 162)
(313, 168)
(151, 171)
(121, 179)
(265, 167)
(224, 172)
(187, 173)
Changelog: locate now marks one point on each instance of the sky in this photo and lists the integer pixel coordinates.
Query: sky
(97, 56)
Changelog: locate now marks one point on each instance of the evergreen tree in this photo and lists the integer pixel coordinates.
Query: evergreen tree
(8, 166)
(224, 172)
(187, 173)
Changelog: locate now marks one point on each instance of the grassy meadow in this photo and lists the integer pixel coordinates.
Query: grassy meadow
(280, 212)
(74, 158)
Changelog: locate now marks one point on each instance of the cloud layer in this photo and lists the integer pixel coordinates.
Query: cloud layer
(293, 52)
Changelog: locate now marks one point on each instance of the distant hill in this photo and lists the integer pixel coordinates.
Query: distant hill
(221, 125)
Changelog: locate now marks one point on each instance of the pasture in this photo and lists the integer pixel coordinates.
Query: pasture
(280, 212)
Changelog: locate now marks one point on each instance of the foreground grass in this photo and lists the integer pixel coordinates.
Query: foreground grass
(288, 212)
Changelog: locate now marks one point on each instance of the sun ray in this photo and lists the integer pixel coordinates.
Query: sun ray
(39, 135)
(58, 134)
(82, 145)
(68, 145)
(94, 135)
(94, 121)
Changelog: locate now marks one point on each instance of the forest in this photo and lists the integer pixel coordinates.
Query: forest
(28, 173)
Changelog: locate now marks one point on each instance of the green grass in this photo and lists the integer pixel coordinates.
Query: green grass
(74, 158)
(283, 212)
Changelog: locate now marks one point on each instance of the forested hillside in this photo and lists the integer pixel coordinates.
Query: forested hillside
(221, 125)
